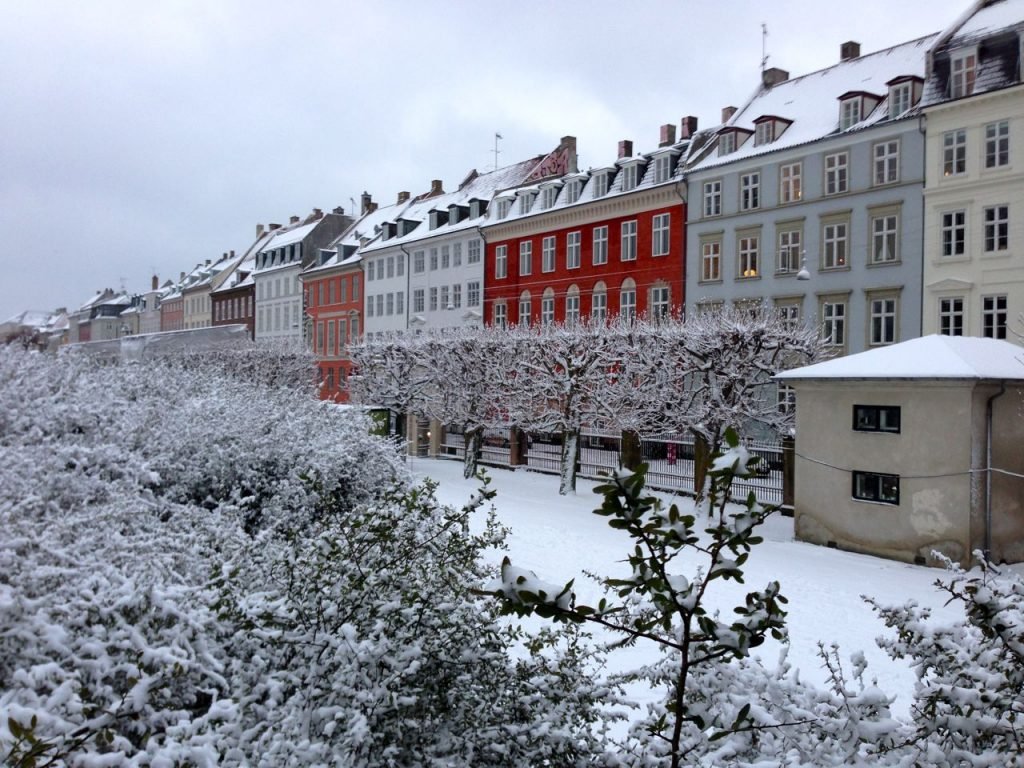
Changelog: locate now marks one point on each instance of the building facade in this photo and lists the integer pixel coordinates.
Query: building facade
(974, 193)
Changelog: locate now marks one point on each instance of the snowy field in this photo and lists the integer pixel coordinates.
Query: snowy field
(560, 538)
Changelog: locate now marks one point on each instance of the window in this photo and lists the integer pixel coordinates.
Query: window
(391, 303)
(789, 313)
(526, 257)
(525, 308)
(883, 239)
(572, 191)
(355, 288)
(599, 302)
(662, 168)
(525, 202)
(660, 298)
(600, 245)
(473, 255)
(446, 257)
(750, 191)
(342, 332)
(629, 174)
(369, 306)
(997, 144)
(951, 316)
(833, 318)
(499, 316)
(433, 259)
(628, 252)
(849, 113)
(997, 228)
(748, 251)
(713, 198)
(835, 238)
(456, 254)
(659, 235)
(600, 185)
(433, 299)
(548, 197)
(501, 261)
(391, 266)
(547, 307)
(954, 233)
(627, 299)
(727, 143)
(711, 261)
(445, 301)
(962, 71)
(887, 162)
(900, 99)
(456, 296)
(954, 152)
(789, 250)
(572, 250)
(764, 133)
(876, 418)
(572, 305)
(790, 190)
(873, 486)
(785, 399)
(354, 327)
(504, 206)
(883, 321)
(418, 300)
(993, 317)
(473, 293)
(547, 254)
(370, 269)
(380, 305)
(837, 173)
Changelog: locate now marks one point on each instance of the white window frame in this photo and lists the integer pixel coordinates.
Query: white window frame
(660, 241)
(600, 252)
(954, 152)
(850, 112)
(473, 251)
(661, 301)
(629, 177)
(994, 311)
(419, 300)
(790, 250)
(883, 320)
(525, 258)
(750, 191)
(572, 306)
(886, 162)
(547, 250)
(748, 253)
(901, 98)
(837, 173)
(547, 307)
(573, 249)
(997, 144)
(500, 262)
(711, 261)
(885, 238)
(662, 168)
(835, 238)
(627, 299)
(599, 302)
(963, 71)
(499, 314)
(996, 220)
(833, 323)
(951, 315)
(790, 182)
(628, 240)
(712, 198)
(473, 293)
(954, 233)
(525, 308)
(600, 185)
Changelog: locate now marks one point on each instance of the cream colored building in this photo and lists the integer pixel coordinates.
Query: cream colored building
(974, 176)
(893, 451)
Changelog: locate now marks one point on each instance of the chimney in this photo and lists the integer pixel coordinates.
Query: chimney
(667, 136)
(365, 201)
(207, 262)
(371, 207)
(156, 283)
(402, 197)
(272, 227)
(773, 76)
(317, 214)
(232, 253)
(293, 220)
(436, 188)
(727, 113)
(181, 278)
(259, 231)
(625, 148)
(339, 211)
(849, 50)
(569, 143)
(688, 127)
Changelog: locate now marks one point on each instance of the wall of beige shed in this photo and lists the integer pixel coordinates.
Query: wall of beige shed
(939, 455)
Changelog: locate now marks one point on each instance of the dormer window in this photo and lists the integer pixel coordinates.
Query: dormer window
(629, 177)
(526, 202)
(600, 184)
(662, 168)
(727, 143)
(453, 214)
(477, 208)
(437, 218)
(548, 197)
(963, 69)
(732, 138)
(900, 99)
(572, 191)
(764, 133)
(504, 206)
(849, 113)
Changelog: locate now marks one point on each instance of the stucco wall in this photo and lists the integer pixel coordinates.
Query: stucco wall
(1007, 490)
(932, 454)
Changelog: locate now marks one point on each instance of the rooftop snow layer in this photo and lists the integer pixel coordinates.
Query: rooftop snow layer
(929, 357)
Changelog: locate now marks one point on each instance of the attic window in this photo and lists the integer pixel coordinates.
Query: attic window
(963, 68)
(662, 168)
(901, 98)
(572, 191)
(630, 176)
(727, 143)
(764, 133)
(526, 202)
(548, 197)
(600, 185)
(850, 112)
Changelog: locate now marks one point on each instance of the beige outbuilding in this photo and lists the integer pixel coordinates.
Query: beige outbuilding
(914, 448)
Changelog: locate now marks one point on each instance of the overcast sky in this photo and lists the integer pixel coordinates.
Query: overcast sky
(141, 137)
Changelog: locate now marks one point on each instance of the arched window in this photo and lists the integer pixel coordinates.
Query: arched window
(599, 302)
(547, 307)
(525, 308)
(627, 299)
(572, 305)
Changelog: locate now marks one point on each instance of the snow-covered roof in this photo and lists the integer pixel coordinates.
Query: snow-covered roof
(811, 102)
(994, 17)
(929, 357)
(31, 318)
(240, 276)
(283, 237)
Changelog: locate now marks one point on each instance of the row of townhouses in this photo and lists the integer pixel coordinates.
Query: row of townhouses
(880, 198)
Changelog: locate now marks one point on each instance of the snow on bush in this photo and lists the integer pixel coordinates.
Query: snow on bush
(201, 564)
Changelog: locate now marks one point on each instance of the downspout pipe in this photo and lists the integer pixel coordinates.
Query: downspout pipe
(408, 284)
(988, 469)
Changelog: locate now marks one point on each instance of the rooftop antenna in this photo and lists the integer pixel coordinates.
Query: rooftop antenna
(764, 46)
(496, 150)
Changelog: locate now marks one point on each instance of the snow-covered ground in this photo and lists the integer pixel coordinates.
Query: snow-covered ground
(560, 538)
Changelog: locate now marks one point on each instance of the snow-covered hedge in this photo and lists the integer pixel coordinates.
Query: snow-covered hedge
(201, 564)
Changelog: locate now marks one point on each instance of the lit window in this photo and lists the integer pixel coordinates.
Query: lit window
(749, 250)
(790, 188)
(836, 238)
(954, 152)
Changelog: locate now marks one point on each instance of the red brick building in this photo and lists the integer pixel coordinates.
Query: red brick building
(603, 242)
(334, 307)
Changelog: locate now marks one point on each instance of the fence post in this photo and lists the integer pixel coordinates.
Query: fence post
(516, 446)
(630, 453)
(788, 475)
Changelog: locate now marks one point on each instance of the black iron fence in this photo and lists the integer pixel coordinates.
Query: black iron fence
(671, 460)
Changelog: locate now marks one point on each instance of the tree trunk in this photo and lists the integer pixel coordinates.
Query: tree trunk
(631, 454)
(474, 440)
(570, 454)
(701, 465)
